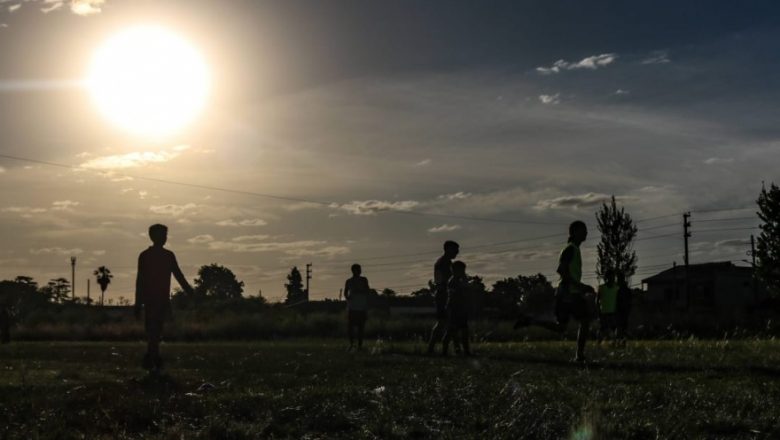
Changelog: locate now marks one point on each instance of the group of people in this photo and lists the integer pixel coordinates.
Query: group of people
(573, 298)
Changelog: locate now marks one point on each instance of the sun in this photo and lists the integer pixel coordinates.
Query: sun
(148, 81)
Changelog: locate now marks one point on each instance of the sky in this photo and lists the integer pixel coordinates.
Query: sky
(352, 131)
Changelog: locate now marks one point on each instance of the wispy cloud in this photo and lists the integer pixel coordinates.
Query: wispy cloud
(244, 238)
(14, 8)
(86, 7)
(444, 228)
(244, 222)
(172, 209)
(718, 160)
(134, 159)
(460, 195)
(575, 201)
(591, 63)
(423, 163)
(657, 57)
(64, 205)
(23, 210)
(56, 251)
(371, 207)
(326, 252)
(250, 247)
(200, 239)
(550, 99)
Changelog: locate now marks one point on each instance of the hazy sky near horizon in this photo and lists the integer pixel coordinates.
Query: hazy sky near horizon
(531, 111)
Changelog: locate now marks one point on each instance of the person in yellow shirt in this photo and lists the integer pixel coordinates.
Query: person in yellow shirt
(607, 300)
(572, 297)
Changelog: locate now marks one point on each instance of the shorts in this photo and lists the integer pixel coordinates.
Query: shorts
(458, 321)
(576, 305)
(608, 321)
(155, 316)
(356, 318)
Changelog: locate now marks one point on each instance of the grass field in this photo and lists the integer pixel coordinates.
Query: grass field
(314, 389)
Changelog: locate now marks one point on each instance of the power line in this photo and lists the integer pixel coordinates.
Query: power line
(327, 204)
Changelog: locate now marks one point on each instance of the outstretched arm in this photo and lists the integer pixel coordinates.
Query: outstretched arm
(177, 273)
(139, 283)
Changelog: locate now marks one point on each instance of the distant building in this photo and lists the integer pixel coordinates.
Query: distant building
(722, 289)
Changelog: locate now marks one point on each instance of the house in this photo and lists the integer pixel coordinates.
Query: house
(721, 289)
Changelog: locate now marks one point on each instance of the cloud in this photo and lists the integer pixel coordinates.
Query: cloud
(736, 243)
(550, 99)
(591, 63)
(86, 7)
(657, 57)
(622, 92)
(443, 228)
(575, 201)
(14, 8)
(460, 195)
(240, 238)
(172, 209)
(56, 251)
(248, 247)
(52, 5)
(718, 160)
(199, 239)
(371, 207)
(245, 222)
(64, 205)
(133, 160)
(423, 163)
(327, 252)
(299, 206)
(23, 210)
(99, 252)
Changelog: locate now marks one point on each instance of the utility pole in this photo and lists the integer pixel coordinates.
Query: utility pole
(753, 250)
(308, 277)
(73, 277)
(88, 284)
(686, 236)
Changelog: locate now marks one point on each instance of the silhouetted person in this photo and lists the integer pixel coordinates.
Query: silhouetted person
(571, 296)
(152, 291)
(5, 324)
(442, 271)
(623, 308)
(608, 297)
(356, 291)
(457, 309)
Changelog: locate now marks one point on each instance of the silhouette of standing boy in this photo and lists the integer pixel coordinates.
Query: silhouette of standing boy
(152, 291)
(457, 309)
(356, 292)
(572, 297)
(442, 271)
(5, 324)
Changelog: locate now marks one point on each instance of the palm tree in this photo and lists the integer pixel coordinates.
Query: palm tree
(103, 277)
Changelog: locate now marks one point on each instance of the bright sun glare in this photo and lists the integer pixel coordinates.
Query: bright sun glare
(149, 81)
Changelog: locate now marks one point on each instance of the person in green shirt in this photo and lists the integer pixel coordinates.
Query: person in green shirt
(573, 298)
(607, 299)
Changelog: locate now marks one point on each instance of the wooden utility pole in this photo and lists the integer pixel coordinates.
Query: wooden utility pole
(73, 278)
(686, 236)
(308, 278)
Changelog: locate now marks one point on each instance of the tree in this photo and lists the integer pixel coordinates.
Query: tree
(294, 286)
(616, 248)
(768, 242)
(388, 293)
(103, 277)
(534, 293)
(57, 290)
(27, 281)
(218, 282)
